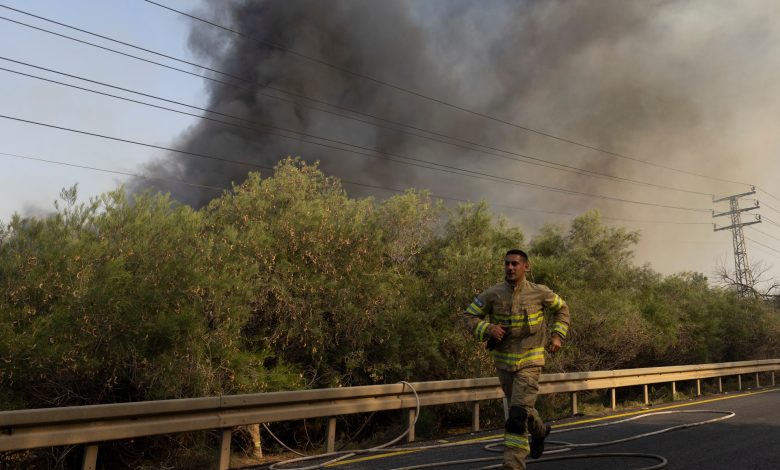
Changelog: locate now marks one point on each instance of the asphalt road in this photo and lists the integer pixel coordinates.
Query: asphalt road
(748, 440)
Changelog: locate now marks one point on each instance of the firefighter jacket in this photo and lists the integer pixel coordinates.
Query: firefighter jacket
(520, 311)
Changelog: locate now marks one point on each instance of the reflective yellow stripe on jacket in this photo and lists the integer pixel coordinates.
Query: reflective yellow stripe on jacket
(557, 303)
(529, 357)
(561, 328)
(475, 309)
(516, 321)
(480, 330)
(535, 318)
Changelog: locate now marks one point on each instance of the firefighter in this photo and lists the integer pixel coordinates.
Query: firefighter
(509, 316)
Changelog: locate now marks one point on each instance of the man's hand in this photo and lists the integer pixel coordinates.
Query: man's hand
(496, 331)
(555, 343)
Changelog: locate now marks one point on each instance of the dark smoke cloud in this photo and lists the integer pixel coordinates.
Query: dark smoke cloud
(664, 81)
(494, 56)
(376, 38)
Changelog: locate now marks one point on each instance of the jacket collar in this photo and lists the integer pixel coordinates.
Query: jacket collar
(520, 285)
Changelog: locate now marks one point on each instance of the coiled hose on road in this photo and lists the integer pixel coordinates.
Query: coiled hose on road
(494, 444)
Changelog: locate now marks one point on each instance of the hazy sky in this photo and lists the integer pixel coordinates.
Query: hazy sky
(688, 84)
(28, 186)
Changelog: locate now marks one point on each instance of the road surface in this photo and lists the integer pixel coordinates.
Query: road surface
(750, 439)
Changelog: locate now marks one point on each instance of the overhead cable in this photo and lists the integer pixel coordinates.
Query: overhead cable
(768, 193)
(116, 172)
(764, 204)
(764, 233)
(529, 209)
(381, 155)
(347, 182)
(767, 219)
(761, 244)
(135, 142)
(115, 51)
(108, 38)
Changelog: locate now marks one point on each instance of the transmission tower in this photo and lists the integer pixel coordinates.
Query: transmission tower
(742, 273)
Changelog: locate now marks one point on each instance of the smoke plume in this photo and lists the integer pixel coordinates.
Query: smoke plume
(686, 84)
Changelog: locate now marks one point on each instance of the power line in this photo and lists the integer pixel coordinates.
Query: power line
(381, 155)
(661, 222)
(267, 43)
(434, 166)
(445, 103)
(767, 219)
(765, 234)
(463, 143)
(768, 193)
(529, 209)
(764, 204)
(761, 244)
(91, 33)
(117, 172)
(115, 51)
(134, 142)
(183, 104)
(128, 90)
(348, 182)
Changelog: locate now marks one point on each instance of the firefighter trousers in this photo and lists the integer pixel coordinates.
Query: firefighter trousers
(520, 388)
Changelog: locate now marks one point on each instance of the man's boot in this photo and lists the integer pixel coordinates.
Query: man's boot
(537, 443)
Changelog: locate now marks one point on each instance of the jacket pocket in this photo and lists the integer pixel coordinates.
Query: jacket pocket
(535, 322)
(535, 318)
(501, 315)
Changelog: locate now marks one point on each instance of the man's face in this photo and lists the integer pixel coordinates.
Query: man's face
(515, 267)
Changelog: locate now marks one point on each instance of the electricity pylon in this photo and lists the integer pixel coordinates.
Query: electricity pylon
(742, 273)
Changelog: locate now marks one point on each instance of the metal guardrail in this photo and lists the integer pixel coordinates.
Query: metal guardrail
(27, 429)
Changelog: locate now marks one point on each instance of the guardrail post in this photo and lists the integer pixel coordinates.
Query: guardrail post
(720, 384)
(224, 448)
(412, 414)
(475, 416)
(698, 387)
(674, 390)
(739, 382)
(647, 396)
(614, 401)
(773, 378)
(758, 384)
(89, 462)
(573, 403)
(330, 441)
(254, 431)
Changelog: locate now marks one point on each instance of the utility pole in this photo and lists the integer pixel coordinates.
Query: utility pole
(742, 273)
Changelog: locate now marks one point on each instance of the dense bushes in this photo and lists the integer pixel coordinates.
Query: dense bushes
(285, 282)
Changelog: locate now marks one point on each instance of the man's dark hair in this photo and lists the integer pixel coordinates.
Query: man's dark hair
(516, 251)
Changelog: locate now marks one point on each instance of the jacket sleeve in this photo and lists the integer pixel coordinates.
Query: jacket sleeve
(477, 315)
(560, 311)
